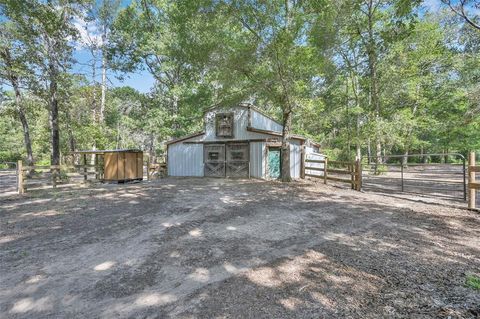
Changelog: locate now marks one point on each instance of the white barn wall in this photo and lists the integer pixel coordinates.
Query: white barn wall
(185, 159)
(295, 158)
(257, 163)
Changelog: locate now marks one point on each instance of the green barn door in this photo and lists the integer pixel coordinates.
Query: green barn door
(274, 163)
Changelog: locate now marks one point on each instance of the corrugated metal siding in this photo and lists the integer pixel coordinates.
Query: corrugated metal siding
(257, 163)
(295, 159)
(185, 159)
(262, 122)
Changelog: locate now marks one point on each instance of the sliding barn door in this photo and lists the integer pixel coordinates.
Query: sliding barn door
(214, 160)
(238, 159)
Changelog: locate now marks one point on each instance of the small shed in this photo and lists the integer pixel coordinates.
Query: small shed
(120, 165)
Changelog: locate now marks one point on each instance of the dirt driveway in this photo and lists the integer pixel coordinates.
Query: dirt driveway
(207, 248)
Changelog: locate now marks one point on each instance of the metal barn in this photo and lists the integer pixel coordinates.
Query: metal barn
(240, 141)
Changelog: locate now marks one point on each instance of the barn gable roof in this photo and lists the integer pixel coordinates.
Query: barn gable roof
(249, 128)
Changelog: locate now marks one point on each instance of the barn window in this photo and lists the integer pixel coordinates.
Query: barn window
(224, 124)
(213, 156)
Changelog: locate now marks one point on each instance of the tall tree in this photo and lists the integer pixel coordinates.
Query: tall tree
(47, 31)
(13, 63)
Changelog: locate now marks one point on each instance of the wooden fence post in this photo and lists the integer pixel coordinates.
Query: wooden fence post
(148, 169)
(351, 169)
(54, 177)
(325, 170)
(84, 167)
(471, 180)
(21, 189)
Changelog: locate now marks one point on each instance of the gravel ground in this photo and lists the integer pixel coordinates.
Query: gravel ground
(212, 248)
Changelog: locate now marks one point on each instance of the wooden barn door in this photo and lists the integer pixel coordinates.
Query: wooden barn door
(238, 159)
(214, 160)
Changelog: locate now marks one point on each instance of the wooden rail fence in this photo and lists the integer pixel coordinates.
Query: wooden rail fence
(473, 185)
(156, 170)
(351, 170)
(53, 175)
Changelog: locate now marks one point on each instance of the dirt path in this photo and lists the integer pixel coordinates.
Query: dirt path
(207, 248)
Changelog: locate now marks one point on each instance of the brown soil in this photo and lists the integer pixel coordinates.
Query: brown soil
(210, 248)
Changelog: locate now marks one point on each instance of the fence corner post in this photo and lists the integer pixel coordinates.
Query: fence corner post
(21, 189)
(325, 170)
(471, 181)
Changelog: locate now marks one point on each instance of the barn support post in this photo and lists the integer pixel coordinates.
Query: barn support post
(471, 181)
(302, 161)
(21, 189)
(325, 177)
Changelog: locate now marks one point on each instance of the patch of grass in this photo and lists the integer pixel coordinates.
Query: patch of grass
(473, 282)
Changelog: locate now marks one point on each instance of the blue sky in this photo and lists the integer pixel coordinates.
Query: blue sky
(140, 80)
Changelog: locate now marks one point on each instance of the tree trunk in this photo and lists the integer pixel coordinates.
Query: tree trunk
(104, 75)
(54, 127)
(94, 86)
(287, 126)
(372, 67)
(5, 54)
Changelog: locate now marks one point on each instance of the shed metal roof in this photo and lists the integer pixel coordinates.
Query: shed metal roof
(126, 150)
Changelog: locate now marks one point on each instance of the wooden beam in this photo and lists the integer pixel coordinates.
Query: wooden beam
(474, 169)
(473, 186)
(314, 161)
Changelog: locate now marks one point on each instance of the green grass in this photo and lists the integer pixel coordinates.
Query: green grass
(473, 282)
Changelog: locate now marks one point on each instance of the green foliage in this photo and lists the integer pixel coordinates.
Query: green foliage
(351, 75)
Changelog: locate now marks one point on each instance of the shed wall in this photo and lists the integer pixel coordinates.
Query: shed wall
(185, 159)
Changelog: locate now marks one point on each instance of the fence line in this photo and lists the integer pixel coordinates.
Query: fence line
(323, 168)
(51, 175)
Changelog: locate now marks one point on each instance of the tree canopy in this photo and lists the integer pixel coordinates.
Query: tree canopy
(363, 77)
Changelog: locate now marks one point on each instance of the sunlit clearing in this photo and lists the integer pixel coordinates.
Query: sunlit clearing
(34, 279)
(28, 304)
(154, 299)
(200, 274)
(231, 228)
(324, 300)
(174, 254)
(104, 266)
(134, 202)
(6, 239)
(195, 232)
(43, 213)
(233, 269)
(290, 303)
